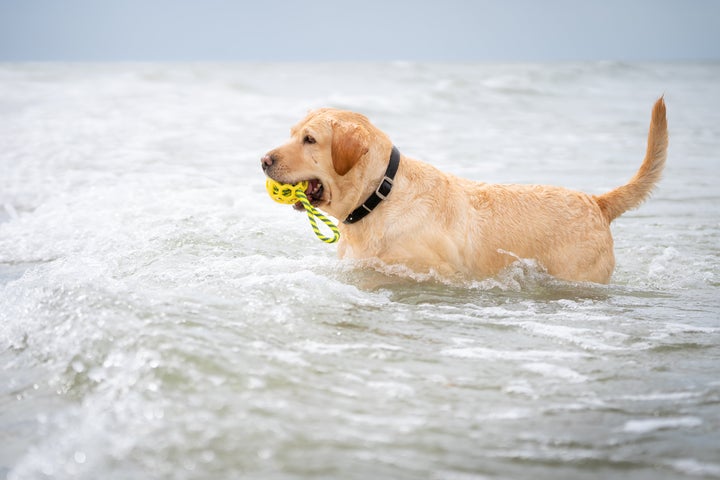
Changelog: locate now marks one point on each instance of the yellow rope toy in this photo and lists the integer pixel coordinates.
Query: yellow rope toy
(290, 194)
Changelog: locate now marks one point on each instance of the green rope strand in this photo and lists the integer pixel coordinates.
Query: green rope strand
(313, 212)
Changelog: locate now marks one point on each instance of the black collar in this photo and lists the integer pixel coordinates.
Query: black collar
(380, 193)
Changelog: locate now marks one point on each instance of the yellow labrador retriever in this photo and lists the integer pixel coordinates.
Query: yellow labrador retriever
(403, 211)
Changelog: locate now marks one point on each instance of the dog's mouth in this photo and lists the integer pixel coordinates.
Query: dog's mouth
(314, 193)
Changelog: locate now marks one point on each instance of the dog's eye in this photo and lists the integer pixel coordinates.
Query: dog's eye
(309, 139)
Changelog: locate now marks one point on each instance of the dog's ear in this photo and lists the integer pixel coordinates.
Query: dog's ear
(349, 144)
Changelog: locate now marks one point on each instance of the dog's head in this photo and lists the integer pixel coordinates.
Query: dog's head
(334, 150)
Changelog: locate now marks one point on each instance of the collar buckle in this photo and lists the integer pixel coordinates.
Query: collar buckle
(384, 188)
(381, 192)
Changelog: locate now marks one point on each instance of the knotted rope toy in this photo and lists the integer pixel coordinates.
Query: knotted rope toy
(291, 194)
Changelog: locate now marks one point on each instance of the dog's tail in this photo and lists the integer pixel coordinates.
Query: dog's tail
(616, 202)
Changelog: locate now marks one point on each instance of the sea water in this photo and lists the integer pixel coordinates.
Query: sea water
(161, 317)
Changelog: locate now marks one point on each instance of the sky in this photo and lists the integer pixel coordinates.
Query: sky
(359, 30)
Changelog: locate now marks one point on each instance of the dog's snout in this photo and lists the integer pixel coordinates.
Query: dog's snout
(267, 162)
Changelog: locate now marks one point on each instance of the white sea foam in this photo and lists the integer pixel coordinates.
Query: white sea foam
(496, 354)
(588, 338)
(662, 396)
(554, 370)
(690, 466)
(648, 425)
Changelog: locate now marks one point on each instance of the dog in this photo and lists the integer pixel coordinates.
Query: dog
(402, 211)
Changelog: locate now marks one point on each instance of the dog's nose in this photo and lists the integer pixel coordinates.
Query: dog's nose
(266, 162)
